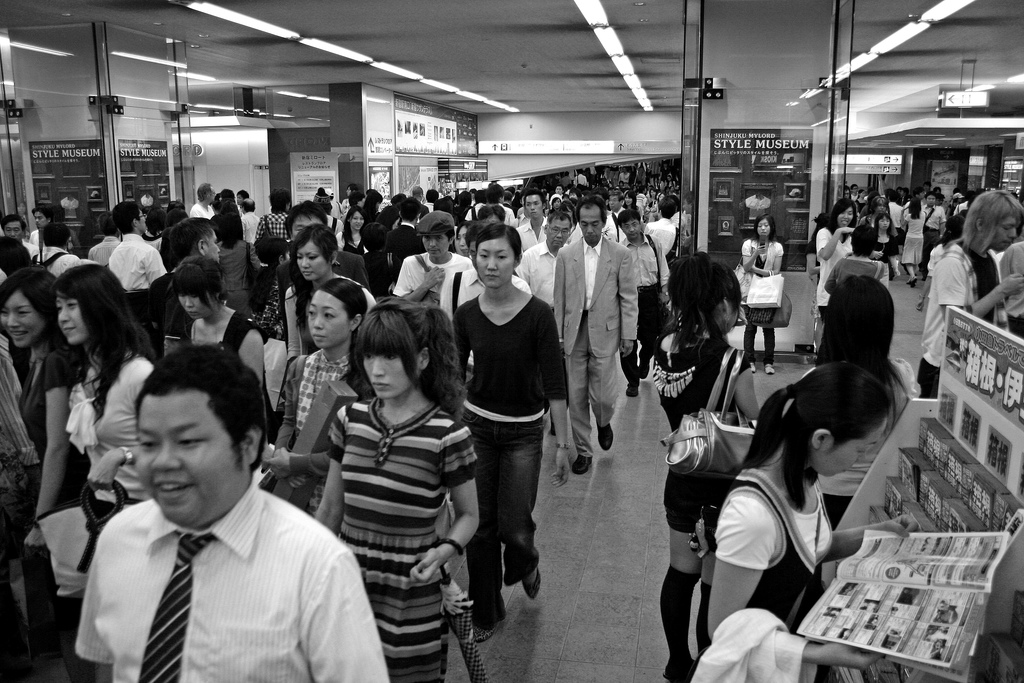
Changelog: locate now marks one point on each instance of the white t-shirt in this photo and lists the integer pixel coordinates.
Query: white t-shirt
(198, 211)
(843, 249)
(412, 273)
(748, 535)
(950, 287)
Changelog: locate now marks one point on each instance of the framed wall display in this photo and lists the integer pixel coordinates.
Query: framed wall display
(726, 225)
(795, 158)
(794, 192)
(144, 196)
(722, 189)
(128, 190)
(797, 221)
(94, 193)
(43, 193)
(163, 191)
(757, 199)
(70, 198)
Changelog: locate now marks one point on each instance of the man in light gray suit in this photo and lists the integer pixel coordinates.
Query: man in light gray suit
(595, 304)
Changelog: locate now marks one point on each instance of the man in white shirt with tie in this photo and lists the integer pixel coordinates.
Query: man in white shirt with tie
(135, 262)
(214, 579)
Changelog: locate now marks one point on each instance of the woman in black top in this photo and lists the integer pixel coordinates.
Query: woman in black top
(352, 231)
(517, 365)
(705, 303)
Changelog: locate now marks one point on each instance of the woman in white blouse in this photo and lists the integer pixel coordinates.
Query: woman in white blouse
(113, 352)
(761, 256)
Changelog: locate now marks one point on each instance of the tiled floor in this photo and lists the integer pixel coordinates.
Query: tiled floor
(604, 551)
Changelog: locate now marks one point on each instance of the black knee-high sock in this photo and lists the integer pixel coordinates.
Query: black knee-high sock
(676, 598)
(703, 637)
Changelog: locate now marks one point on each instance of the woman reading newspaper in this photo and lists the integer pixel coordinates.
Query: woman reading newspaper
(773, 530)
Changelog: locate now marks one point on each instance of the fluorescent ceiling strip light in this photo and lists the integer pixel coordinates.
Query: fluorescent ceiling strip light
(44, 50)
(283, 116)
(243, 20)
(925, 135)
(623, 64)
(9, 84)
(593, 12)
(439, 85)
(289, 93)
(944, 9)
(842, 118)
(861, 60)
(152, 60)
(810, 93)
(792, 104)
(899, 37)
(377, 100)
(981, 88)
(609, 40)
(1016, 79)
(196, 77)
(397, 70)
(336, 50)
(149, 99)
(632, 81)
(471, 95)
(211, 106)
(317, 98)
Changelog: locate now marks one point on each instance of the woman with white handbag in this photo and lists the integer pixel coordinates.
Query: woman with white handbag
(688, 360)
(761, 256)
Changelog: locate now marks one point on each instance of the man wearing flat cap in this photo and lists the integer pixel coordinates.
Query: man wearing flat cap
(422, 275)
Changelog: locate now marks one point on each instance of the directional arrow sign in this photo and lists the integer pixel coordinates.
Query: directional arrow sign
(963, 99)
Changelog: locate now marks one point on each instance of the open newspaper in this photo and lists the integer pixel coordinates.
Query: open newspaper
(919, 598)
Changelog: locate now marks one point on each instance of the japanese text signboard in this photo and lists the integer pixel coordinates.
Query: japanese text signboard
(981, 394)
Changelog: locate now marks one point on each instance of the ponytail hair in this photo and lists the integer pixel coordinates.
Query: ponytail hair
(696, 286)
(840, 397)
(400, 328)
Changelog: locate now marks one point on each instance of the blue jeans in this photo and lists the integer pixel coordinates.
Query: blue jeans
(508, 458)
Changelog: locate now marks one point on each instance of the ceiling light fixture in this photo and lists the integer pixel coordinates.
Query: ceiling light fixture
(377, 100)
(43, 50)
(623, 64)
(289, 93)
(243, 20)
(336, 50)
(151, 60)
(1016, 79)
(211, 106)
(899, 37)
(283, 116)
(595, 16)
(823, 121)
(944, 9)
(288, 34)
(471, 96)
(609, 40)
(439, 85)
(397, 70)
(316, 98)
(593, 12)
(197, 77)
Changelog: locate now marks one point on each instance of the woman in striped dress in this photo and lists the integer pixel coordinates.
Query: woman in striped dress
(394, 457)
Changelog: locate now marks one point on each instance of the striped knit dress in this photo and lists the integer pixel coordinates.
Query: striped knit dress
(395, 479)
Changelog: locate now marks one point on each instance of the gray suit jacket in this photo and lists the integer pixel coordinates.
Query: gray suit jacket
(613, 311)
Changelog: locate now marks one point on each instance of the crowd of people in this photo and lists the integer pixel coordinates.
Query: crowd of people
(169, 378)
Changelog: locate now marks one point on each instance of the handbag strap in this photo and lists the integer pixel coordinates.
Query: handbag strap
(730, 388)
(716, 390)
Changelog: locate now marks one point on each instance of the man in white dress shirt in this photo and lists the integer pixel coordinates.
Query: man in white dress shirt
(214, 579)
(663, 230)
(533, 206)
(537, 266)
(250, 221)
(135, 262)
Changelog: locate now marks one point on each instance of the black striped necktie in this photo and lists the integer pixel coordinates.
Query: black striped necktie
(162, 661)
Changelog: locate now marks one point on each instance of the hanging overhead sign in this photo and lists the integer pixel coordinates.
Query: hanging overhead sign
(964, 99)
